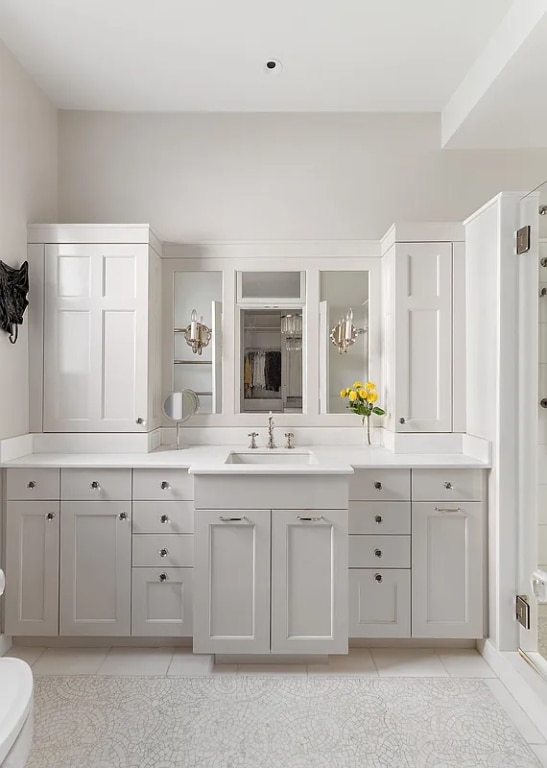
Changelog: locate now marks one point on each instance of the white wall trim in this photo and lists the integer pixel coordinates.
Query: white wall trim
(422, 232)
(273, 249)
(94, 233)
(524, 683)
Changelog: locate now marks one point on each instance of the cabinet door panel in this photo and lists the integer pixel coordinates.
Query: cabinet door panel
(161, 602)
(95, 568)
(32, 568)
(424, 337)
(232, 581)
(447, 569)
(379, 602)
(309, 581)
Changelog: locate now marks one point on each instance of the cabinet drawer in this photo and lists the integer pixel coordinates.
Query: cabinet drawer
(447, 485)
(161, 602)
(156, 549)
(379, 551)
(162, 484)
(380, 485)
(27, 484)
(163, 517)
(379, 517)
(96, 484)
(379, 602)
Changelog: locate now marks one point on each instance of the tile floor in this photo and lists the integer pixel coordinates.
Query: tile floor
(361, 662)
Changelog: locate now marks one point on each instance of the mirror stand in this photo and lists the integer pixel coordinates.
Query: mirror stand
(179, 407)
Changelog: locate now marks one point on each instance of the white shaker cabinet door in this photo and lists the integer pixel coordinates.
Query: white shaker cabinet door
(32, 568)
(232, 581)
(423, 337)
(379, 602)
(96, 332)
(309, 581)
(161, 602)
(448, 562)
(95, 593)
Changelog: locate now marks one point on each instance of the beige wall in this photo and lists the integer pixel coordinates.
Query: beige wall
(28, 192)
(202, 177)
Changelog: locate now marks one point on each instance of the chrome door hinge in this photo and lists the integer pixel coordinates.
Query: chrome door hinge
(522, 611)
(523, 239)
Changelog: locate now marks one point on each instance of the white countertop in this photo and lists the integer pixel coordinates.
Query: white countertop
(209, 459)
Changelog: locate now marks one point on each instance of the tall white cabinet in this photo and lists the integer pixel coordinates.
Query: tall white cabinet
(424, 330)
(97, 353)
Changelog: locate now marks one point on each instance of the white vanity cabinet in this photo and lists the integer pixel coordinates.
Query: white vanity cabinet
(270, 580)
(424, 322)
(448, 554)
(98, 358)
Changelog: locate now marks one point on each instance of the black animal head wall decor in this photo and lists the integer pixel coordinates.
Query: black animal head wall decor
(13, 298)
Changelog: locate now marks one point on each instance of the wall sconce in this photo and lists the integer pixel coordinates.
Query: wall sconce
(344, 334)
(291, 330)
(197, 335)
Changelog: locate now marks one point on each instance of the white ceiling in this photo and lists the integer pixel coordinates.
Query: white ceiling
(209, 55)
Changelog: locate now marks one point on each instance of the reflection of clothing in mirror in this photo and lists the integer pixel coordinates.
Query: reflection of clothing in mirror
(262, 370)
(272, 370)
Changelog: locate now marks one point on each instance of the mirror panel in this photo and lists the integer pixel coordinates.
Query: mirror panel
(201, 373)
(340, 293)
(253, 287)
(271, 361)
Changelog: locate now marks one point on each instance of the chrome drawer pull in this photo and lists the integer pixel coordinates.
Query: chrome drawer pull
(449, 486)
(163, 577)
(309, 519)
(163, 552)
(164, 519)
(378, 578)
(378, 552)
(50, 515)
(378, 519)
(232, 519)
(165, 486)
(447, 509)
(378, 486)
(95, 485)
(31, 484)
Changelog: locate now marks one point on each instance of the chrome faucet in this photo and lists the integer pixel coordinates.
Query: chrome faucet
(271, 443)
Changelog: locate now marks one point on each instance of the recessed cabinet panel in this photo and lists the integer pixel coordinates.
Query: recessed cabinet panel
(96, 484)
(379, 517)
(119, 364)
(379, 602)
(309, 581)
(161, 602)
(32, 568)
(32, 484)
(380, 485)
(232, 582)
(120, 277)
(447, 484)
(379, 551)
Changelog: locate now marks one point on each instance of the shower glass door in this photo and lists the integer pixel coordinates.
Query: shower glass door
(533, 426)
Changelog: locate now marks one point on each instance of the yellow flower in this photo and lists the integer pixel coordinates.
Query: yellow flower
(343, 392)
(353, 395)
(370, 385)
(372, 397)
(357, 384)
(363, 393)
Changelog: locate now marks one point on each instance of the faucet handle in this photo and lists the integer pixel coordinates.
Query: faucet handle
(289, 436)
(253, 435)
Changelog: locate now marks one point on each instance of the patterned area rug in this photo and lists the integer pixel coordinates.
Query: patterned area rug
(234, 721)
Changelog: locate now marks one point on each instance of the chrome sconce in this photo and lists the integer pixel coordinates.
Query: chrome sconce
(344, 334)
(197, 335)
(291, 330)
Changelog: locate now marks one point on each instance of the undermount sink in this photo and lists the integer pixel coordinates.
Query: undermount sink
(271, 457)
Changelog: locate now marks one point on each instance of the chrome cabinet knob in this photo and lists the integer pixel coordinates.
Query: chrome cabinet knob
(543, 402)
(402, 420)
(378, 553)
(163, 577)
(165, 486)
(448, 486)
(95, 485)
(378, 486)
(31, 484)
(141, 421)
(378, 519)
(164, 552)
(122, 516)
(50, 515)
(378, 578)
(164, 519)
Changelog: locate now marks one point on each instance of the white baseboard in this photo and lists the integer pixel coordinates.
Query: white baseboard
(104, 642)
(524, 683)
(409, 642)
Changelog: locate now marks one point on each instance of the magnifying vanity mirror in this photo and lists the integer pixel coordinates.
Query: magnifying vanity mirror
(179, 407)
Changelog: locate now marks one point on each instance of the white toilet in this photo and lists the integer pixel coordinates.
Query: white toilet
(15, 712)
(15, 709)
